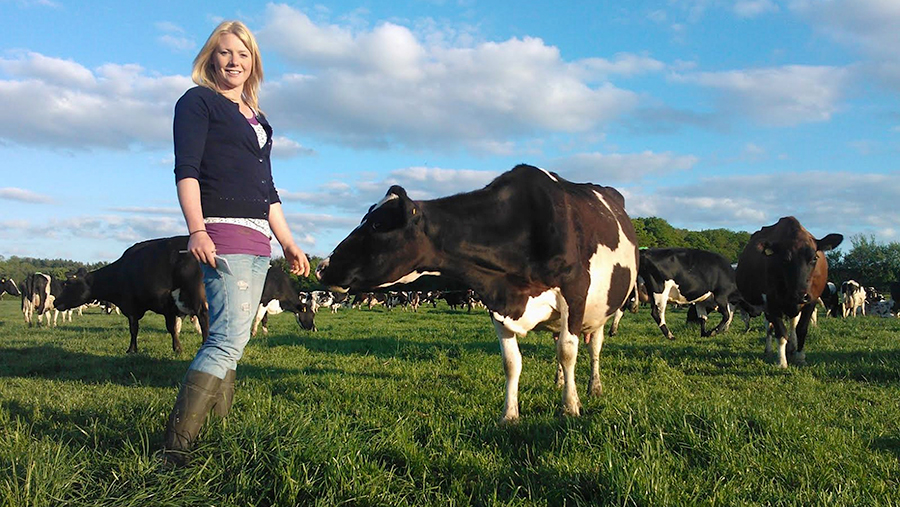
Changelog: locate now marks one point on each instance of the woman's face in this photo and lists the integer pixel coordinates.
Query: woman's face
(233, 63)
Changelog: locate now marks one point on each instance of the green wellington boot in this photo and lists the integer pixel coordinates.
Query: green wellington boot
(195, 399)
(225, 395)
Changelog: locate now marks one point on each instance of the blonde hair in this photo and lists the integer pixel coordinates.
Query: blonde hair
(203, 72)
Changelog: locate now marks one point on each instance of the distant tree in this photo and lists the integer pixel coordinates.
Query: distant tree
(870, 263)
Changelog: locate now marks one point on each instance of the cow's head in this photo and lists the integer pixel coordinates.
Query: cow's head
(76, 292)
(305, 316)
(385, 248)
(8, 285)
(791, 266)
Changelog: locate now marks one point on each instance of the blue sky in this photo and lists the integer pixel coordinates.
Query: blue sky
(707, 113)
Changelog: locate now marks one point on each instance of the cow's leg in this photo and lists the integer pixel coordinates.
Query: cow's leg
(260, 311)
(703, 315)
(560, 380)
(173, 325)
(614, 328)
(595, 343)
(802, 330)
(566, 354)
(781, 332)
(264, 323)
(512, 366)
(726, 311)
(770, 331)
(195, 320)
(133, 328)
(658, 312)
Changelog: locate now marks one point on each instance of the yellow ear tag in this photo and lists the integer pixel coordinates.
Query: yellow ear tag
(414, 211)
(769, 251)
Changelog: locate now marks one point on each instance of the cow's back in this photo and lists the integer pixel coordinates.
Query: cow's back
(149, 272)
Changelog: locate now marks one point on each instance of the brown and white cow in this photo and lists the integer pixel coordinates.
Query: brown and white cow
(541, 251)
(783, 270)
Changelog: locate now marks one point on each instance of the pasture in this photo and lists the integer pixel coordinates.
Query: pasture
(401, 408)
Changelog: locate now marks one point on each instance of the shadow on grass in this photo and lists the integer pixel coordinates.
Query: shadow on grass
(385, 346)
(879, 367)
(887, 444)
(55, 363)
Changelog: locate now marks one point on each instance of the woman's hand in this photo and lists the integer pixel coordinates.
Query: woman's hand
(296, 259)
(203, 248)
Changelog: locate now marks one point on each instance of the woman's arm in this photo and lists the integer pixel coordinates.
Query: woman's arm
(199, 243)
(292, 253)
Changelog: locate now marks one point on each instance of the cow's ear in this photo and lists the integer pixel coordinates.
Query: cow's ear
(409, 207)
(829, 242)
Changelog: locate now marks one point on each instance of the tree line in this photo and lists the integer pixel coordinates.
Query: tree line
(863, 259)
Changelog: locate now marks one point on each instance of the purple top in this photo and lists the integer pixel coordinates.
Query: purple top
(237, 239)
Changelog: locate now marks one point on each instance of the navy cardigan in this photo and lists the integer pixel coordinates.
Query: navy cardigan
(215, 144)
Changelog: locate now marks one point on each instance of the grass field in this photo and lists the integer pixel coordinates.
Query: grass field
(398, 408)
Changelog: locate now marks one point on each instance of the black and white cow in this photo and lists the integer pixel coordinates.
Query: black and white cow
(38, 294)
(149, 276)
(853, 298)
(689, 276)
(831, 300)
(8, 286)
(541, 251)
(279, 295)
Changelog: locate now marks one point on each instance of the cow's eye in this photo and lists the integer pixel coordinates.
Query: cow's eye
(375, 226)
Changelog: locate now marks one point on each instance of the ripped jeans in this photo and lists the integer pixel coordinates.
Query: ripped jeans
(233, 300)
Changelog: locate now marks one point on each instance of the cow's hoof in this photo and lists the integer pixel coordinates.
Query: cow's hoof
(799, 358)
(508, 420)
(572, 411)
(595, 389)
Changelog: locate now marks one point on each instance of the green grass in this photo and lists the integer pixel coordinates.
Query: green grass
(397, 408)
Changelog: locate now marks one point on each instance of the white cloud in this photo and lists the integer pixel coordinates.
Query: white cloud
(60, 103)
(177, 43)
(869, 26)
(283, 147)
(782, 96)
(754, 8)
(750, 202)
(603, 169)
(390, 86)
(22, 195)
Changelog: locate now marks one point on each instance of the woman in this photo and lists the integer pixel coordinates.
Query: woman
(225, 189)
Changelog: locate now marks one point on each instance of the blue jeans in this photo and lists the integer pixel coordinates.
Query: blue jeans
(233, 300)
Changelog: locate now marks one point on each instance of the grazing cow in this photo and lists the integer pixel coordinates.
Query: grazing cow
(853, 298)
(688, 276)
(783, 270)
(149, 276)
(279, 295)
(456, 298)
(8, 286)
(831, 300)
(549, 253)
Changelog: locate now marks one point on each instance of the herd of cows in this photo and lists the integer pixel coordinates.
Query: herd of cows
(537, 251)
